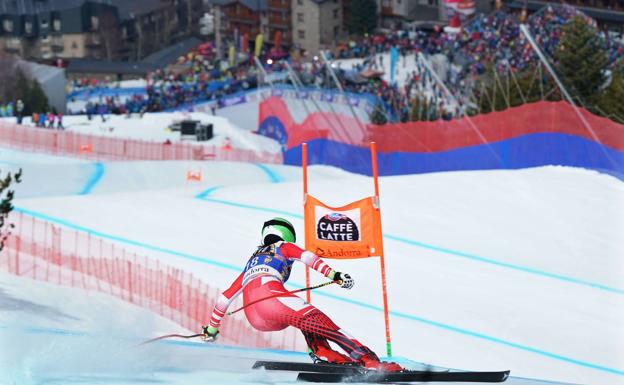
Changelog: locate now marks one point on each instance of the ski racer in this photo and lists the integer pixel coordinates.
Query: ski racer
(264, 275)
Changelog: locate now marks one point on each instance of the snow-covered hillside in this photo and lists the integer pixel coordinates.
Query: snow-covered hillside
(487, 270)
(156, 127)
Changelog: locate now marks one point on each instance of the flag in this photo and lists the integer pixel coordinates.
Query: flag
(348, 232)
(231, 55)
(258, 44)
(394, 57)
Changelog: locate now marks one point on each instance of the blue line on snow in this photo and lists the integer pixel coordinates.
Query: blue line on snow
(273, 176)
(252, 207)
(440, 250)
(335, 297)
(478, 335)
(205, 193)
(11, 163)
(95, 178)
(525, 269)
(124, 240)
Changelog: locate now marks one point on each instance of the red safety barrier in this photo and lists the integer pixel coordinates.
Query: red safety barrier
(94, 147)
(442, 135)
(45, 252)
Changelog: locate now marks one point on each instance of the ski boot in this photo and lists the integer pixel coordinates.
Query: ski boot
(325, 355)
(371, 362)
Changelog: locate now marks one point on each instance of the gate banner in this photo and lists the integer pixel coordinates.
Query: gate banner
(348, 232)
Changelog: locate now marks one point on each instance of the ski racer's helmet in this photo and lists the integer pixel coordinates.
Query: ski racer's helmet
(277, 229)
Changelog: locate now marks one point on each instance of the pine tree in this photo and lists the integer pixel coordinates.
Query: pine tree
(581, 59)
(377, 116)
(22, 86)
(363, 17)
(37, 101)
(611, 99)
(6, 206)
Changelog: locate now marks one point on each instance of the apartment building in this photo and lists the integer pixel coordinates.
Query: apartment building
(317, 25)
(95, 29)
(234, 18)
(45, 29)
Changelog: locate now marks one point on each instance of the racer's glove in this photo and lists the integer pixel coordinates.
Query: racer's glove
(210, 333)
(344, 280)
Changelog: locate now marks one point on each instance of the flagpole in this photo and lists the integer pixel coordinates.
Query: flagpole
(304, 165)
(381, 253)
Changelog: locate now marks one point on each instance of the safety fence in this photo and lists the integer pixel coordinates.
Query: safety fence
(94, 147)
(531, 135)
(45, 252)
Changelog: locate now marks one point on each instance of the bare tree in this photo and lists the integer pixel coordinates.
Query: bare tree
(139, 43)
(169, 16)
(110, 35)
(189, 16)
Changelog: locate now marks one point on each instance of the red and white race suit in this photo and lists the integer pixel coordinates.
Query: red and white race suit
(263, 276)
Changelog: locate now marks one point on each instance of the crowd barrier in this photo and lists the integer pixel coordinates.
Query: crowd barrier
(94, 147)
(535, 134)
(45, 252)
(363, 100)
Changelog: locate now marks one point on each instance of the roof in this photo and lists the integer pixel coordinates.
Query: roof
(31, 7)
(170, 54)
(40, 72)
(108, 67)
(128, 9)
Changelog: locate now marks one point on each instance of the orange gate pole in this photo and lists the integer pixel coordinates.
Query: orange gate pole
(381, 254)
(304, 165)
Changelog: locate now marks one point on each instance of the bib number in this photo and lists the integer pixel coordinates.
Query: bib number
(251, 263)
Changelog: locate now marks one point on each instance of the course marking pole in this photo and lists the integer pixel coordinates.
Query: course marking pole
(304, 165)
(381, 252)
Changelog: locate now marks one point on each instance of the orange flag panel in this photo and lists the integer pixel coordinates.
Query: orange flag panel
(348, 232)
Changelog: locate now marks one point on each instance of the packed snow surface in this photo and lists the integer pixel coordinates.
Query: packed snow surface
(486, 270)
(157, 127)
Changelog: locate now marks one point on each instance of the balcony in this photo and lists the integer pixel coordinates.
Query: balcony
(240, 20)
(57, 42)
(57, 45)
(280, 8)
(278, 25)
(13, 45)
(93, 41)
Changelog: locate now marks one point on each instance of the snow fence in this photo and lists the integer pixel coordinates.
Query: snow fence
(530, 135)
(100, 148)
(45, 252)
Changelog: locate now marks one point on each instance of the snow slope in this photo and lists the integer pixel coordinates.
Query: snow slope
(155, 127)
(515, 270)
(59, 335)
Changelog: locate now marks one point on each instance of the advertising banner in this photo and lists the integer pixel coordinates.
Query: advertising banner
(348, 232)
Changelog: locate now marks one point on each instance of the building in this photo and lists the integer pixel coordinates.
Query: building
(393, 9)
(317, 25)
(235, 18)
(144, 27)
(43, 29)
(95, 29)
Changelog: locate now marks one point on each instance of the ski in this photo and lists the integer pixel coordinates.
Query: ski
(408, 376)
(309, 367)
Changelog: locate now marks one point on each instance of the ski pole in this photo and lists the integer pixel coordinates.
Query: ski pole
(170, 336)
(282, 294)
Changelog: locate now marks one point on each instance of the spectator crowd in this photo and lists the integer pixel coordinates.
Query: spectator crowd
(486, 41)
